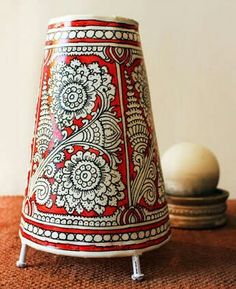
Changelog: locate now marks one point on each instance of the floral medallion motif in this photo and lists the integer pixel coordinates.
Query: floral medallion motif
(74, 89)
(87, 183)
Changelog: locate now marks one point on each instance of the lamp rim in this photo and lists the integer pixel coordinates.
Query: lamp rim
(111, 18)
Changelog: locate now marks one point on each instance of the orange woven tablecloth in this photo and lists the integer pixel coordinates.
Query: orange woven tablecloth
(193, 259)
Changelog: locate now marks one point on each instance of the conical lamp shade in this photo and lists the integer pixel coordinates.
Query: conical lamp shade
(95, 187)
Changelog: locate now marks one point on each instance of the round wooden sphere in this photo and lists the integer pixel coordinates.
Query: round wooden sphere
(190, 169)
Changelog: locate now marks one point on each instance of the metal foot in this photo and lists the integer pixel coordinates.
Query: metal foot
(21, 262)
(137, 275)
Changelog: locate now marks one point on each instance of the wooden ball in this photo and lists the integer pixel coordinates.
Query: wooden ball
(190, 169)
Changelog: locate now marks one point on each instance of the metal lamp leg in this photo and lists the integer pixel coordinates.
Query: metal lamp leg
(137, 275)
(21, 262)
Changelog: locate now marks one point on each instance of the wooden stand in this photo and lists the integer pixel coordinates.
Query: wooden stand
(198, 212)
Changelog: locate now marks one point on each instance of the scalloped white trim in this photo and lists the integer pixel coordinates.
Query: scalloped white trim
(112, 18)
(84, 254)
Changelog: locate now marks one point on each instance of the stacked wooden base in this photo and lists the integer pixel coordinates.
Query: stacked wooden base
(200, 212)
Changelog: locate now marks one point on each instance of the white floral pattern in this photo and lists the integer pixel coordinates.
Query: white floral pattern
(74, 88)
(139, 76)
(42, 191)
(87, 182)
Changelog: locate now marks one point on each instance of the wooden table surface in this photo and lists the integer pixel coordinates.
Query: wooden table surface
(192, 259)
